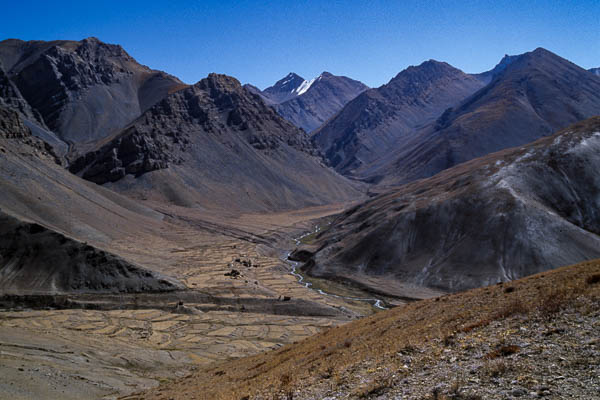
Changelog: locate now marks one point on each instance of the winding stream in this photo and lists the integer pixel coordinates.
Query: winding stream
(377, 303)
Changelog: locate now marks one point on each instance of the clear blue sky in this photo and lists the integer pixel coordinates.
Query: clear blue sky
(261, 41)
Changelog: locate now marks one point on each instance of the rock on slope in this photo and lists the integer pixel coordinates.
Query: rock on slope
(313, 102)
(82, 91)
(215, 144)
(384, 118)
(493, 219)
(534, 95)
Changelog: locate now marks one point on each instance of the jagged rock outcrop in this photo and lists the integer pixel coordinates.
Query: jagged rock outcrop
(82, 91)
(11, 125)
(209, 134)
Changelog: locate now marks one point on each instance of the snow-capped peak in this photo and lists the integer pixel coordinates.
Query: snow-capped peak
(304, 86)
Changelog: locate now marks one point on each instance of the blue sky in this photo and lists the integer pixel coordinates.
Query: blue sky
(259, 42)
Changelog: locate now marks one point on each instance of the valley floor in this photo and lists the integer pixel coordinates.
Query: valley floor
(105, 346)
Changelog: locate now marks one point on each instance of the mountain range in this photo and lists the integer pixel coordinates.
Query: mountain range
(382, 119)
(142, 207)
(535, 95)
(214, 143)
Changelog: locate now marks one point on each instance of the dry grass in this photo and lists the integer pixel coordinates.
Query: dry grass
(377, 340)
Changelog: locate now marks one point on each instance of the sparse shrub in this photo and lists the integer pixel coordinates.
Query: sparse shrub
(503, 351)
(593, 279)
(285, 380)
(409, 348)
(514, 307)
(475, 325)
(553, 302)
(496, 368)
(448, 340)
(328, 373)
(347, 343)
(509, 289)
(455, 389)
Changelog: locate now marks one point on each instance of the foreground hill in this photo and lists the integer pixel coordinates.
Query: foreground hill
(534, 95)
(494, 219)
(308, 104)
(215, 144)
(534, 337)
(81, 91)
(384, 118)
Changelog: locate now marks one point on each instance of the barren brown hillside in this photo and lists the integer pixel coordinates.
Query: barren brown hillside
(503, 330)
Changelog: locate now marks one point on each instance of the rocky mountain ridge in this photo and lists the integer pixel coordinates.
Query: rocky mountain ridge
(321, 100)
(535, 95)
(384, 118)
(309, 103)
(208, 134)
(81, 91)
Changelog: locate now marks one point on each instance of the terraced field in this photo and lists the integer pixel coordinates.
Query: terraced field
(114, 344)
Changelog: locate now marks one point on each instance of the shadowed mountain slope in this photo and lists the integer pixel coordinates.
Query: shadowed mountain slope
(34, 259)
(215, 144)
(383, 118)
(82, 91)
(496, 218)
(533, 96)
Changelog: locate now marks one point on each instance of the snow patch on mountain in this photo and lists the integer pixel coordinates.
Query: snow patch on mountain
(304, 86)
